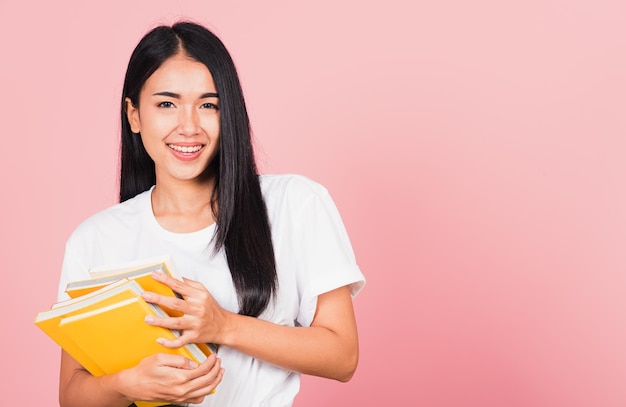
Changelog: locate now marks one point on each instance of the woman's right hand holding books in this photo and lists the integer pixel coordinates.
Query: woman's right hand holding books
(172, 378)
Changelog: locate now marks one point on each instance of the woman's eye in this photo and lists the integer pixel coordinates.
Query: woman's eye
(209, 106)
(165, 104)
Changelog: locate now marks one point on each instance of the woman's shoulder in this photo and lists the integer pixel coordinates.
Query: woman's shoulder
(288, 195)
(119, 216)
(289, 184)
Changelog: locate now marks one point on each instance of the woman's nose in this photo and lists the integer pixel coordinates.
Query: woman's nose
(188, 122)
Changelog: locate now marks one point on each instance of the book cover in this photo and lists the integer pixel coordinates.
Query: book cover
(48, 321)
(116, 337)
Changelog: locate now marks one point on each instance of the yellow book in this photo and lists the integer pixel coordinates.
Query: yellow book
(105, 330)
(48, 321)
(117, 338)
(140, 271)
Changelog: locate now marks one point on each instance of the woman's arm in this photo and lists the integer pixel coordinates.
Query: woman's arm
(78, 387)
(161, 377)
(328, 348)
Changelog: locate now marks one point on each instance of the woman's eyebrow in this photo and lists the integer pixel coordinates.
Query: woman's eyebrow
(177, 96)
(209, 95)
(168, 94)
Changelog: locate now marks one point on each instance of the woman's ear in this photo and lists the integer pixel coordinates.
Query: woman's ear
(132, 113)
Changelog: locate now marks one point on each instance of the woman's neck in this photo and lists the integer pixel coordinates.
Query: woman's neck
(183, 207)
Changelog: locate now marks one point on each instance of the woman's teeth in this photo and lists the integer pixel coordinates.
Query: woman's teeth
(185, 149)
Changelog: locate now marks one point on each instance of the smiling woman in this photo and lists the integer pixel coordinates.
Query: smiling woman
(268, 266)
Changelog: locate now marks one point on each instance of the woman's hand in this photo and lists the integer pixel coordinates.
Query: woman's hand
(204, 320)
(172, 378)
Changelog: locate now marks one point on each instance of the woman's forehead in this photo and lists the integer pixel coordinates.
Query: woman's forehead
(181, 74)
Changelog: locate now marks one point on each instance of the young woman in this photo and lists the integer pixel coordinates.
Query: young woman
(269, 270)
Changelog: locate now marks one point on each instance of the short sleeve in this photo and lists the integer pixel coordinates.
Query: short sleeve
(323, 252)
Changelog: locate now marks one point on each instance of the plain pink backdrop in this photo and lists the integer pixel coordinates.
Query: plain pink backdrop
(475, 150)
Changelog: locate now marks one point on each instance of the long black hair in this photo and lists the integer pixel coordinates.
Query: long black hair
(242, 226)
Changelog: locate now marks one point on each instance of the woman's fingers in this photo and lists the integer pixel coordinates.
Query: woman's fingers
(181, 287)
(203, 385)
(177, 361)
(202, 317)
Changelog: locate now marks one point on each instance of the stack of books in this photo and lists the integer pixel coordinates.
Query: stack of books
(102, 325)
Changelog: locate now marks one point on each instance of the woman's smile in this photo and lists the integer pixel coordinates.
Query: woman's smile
(185, 149)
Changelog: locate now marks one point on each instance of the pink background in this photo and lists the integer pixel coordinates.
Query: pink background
(474, 148)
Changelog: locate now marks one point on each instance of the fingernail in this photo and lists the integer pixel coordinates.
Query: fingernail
(193, 364)
(157, 275)
(149, 319)
(147, 296)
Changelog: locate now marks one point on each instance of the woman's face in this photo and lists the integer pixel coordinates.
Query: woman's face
(178, 118)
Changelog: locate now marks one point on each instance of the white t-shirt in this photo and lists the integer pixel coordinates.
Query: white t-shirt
(313, 256)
